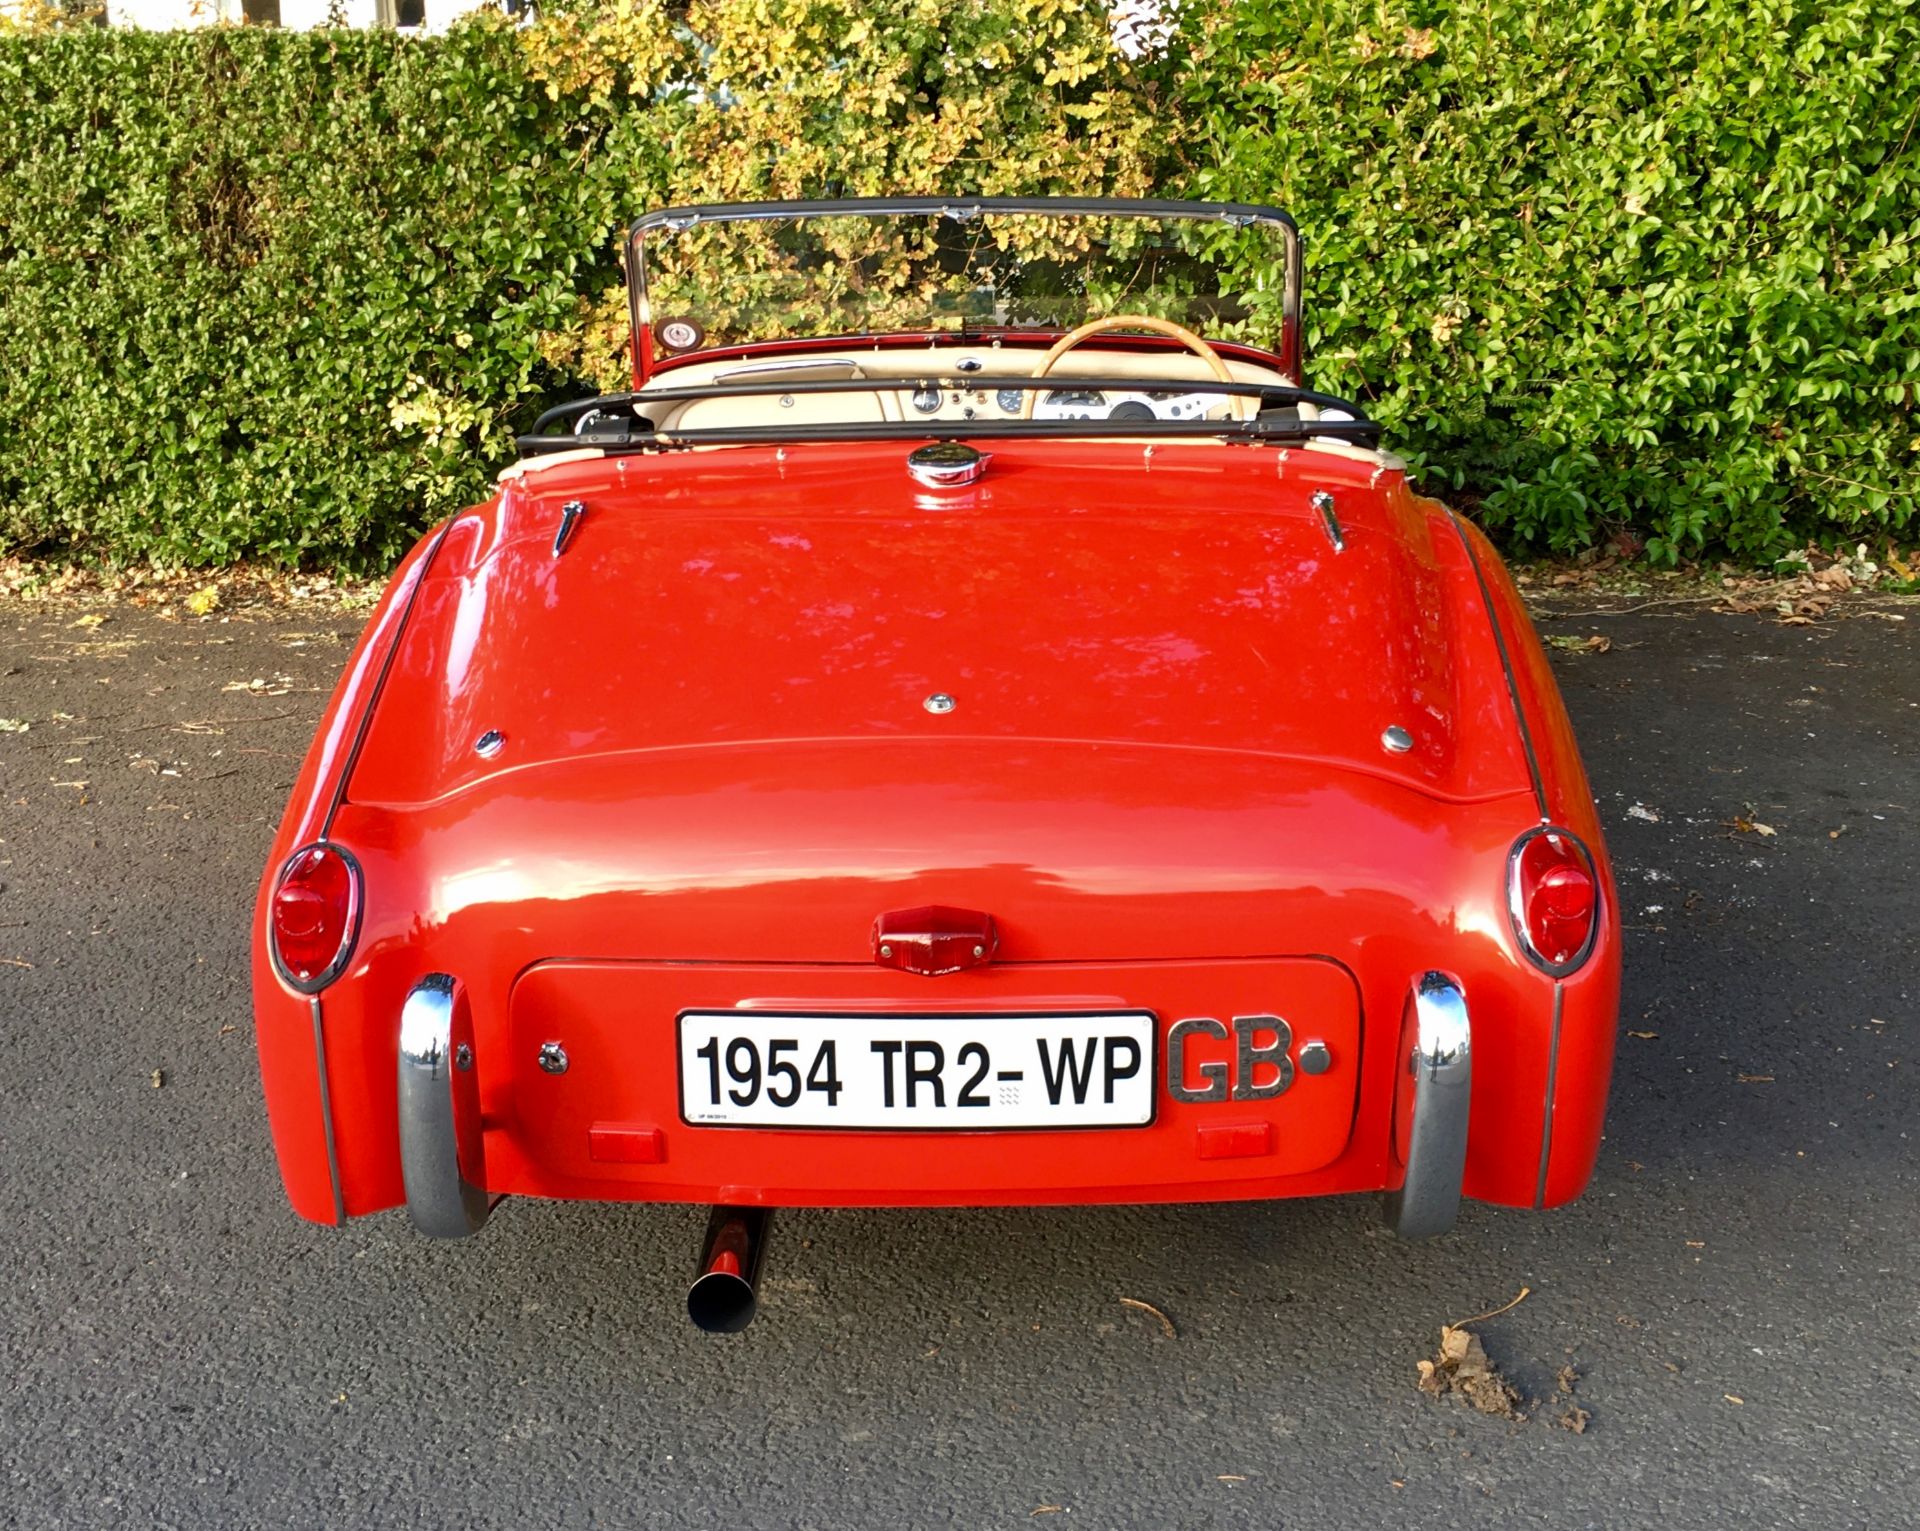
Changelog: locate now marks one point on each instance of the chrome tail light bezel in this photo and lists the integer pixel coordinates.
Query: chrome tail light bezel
(1516, 901)
(350, 935)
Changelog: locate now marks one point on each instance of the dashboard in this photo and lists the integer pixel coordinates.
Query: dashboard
(1129, 387)
(1120, 403)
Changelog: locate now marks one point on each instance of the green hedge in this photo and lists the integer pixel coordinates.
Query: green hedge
(1608, 264)
(269, 294)
(1598, 266)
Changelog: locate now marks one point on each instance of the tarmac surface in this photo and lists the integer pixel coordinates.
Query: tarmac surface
(1738, 1295)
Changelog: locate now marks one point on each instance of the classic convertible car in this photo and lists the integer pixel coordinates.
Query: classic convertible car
(954, 733)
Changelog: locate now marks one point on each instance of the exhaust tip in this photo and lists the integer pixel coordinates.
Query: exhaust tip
(721, 1302)
(722, 1299)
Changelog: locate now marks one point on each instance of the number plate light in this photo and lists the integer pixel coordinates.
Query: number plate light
(934, 940)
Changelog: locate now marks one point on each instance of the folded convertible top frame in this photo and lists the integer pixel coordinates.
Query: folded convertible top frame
(1358, 433)
(1359, 429)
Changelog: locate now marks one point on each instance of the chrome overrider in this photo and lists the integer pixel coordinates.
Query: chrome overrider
(1440, 1059)
(440, 1144)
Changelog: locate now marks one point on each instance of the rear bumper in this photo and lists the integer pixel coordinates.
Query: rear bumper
(1432, 1108)
(442, 1147)
(1209, 1145)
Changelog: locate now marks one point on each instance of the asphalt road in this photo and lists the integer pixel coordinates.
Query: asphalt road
(1736, 1294)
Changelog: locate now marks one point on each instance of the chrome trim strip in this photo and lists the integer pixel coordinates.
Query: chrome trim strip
(1506, 664)
(1546, 1118)
(442, 1202)
(379, 684)
(798, 364)
(1441, 1062)
(326, 1114)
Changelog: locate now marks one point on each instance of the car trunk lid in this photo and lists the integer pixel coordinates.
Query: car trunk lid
(1189, 597)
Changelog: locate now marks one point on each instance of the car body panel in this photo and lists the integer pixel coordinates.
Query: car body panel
(1126, 854)
(846, 594)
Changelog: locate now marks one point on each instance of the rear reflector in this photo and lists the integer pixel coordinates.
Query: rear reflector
(314, 916)
(1553, 895)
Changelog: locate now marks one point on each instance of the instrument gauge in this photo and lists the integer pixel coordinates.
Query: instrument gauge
(926, 400)
(1009, 400)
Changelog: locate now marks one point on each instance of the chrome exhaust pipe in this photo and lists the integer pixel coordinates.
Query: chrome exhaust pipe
(722, 1298)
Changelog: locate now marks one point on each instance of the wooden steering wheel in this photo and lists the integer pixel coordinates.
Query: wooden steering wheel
(1112, 322)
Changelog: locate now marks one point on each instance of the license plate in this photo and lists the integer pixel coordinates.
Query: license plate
(942, 1072)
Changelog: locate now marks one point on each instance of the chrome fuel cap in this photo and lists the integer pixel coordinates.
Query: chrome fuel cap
(946, 464)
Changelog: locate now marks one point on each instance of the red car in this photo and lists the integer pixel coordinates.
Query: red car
(950, 735)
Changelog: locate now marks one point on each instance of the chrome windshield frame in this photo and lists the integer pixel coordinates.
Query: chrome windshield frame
(1239, 214)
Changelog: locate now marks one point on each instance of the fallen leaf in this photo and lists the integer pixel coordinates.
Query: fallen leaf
(1574, 1418)
(279, 685)
(1733, 1398)
(157, 1078)
(1420, 43)
(1754, 1078)
(91, 620)
(14, 725)
(203, 600)
(1462, 1368)
(1147, 1307)
(1599, 643)
(1043, 1509)
(1644, 1036)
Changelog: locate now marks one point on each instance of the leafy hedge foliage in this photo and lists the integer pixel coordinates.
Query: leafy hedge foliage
(1637, 263)
(267, 293)
(288, 294)
(1608, 263)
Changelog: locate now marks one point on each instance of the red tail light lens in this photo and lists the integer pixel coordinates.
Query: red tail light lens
(1555, 899)
(314, 916)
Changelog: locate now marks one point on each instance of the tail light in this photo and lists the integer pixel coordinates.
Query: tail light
(314, 915)
(1553, 893)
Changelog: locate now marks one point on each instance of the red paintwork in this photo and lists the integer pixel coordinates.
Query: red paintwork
(1163, 779)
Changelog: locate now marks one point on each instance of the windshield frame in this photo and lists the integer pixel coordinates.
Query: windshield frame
(673, 219)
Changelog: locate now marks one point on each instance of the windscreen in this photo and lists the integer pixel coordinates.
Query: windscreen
(727, 279)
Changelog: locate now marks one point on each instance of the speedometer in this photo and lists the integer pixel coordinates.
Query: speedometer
(1072, 404)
